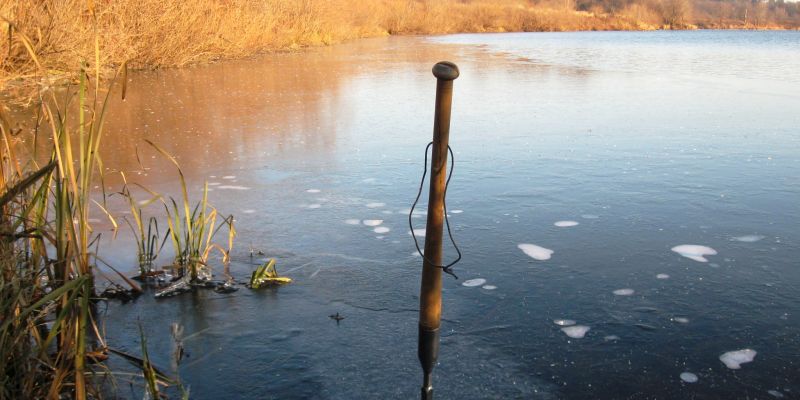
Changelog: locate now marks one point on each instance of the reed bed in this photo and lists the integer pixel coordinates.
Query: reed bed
(173, 33)
(170, 33)
(48, 250)
(51, 345)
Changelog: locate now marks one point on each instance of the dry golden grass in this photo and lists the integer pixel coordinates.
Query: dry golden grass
(168, 33)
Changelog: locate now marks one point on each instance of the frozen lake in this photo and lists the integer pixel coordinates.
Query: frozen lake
(631, 201)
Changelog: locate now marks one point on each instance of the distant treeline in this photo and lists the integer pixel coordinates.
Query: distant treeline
(51, 37)
(706, 14)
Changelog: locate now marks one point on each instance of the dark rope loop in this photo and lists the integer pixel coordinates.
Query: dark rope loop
(446, 268)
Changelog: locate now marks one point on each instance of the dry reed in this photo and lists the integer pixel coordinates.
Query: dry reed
(169, 33)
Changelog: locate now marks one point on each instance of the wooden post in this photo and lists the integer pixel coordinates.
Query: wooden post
(430, 296)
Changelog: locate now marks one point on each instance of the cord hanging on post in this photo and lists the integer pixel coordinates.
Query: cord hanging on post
(446, 268)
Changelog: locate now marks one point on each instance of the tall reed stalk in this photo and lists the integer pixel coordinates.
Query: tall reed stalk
(48, 335)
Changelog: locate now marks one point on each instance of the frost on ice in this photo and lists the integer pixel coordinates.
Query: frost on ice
(748, 238)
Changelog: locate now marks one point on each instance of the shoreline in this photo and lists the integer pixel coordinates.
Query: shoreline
(16, 89)
(48, 45)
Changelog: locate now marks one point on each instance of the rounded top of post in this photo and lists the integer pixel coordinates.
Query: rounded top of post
(445, 70)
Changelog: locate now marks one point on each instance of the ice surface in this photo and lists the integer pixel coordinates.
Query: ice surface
(352, 221)
(576, 331)
(662, 276)
(372, 222)
(694, 251)
(313, 190)
(375, 205)
(624, 292)
(735, 359)
(535, 252)
(381, 229)
(489, 287)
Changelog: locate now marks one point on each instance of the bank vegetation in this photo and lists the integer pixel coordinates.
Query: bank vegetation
(170, 33)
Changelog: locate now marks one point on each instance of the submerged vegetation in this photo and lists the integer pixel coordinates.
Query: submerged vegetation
(169, 33)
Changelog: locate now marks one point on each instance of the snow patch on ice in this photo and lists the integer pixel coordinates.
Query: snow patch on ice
(566, 224)
(689, 377)
(694, 251)
(473, 282)
(576, 331)
(419, 232)
(735, 359)
(535, 252)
